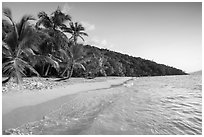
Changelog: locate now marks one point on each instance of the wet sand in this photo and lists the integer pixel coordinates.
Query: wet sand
(24, 107)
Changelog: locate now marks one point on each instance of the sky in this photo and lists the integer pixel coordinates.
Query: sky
(168, 33)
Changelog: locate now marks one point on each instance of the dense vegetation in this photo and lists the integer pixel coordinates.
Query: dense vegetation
(48, 47)
(109, 63)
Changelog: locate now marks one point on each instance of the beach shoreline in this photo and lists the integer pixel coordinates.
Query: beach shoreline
(25, 106)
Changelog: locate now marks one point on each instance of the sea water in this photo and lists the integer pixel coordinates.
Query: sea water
(166, 105)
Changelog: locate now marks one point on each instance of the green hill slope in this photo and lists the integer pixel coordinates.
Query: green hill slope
(103, 62)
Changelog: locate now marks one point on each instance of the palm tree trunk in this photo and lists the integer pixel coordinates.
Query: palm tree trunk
(69, 74)
(75, 40)
(63, 72)
(43, 69)
(48, 68)
(62, 79)
(71, 70)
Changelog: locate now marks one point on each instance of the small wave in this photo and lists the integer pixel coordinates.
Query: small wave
(195, 103)
(198, 119)
(198, 87)
(184, 104)
(128, 84)
(195, 121)
(186, 128)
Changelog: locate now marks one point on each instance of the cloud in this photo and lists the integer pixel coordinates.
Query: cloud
(95, 41)
(104, 42)
(88, 26)
(66, 8)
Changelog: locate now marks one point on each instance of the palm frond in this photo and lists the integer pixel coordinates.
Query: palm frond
(6, 50)
(81, 37)
(44, 20)
(55, 58)
(68, 17)
(71, 38)
(64, 28)
(6, 26)
(11, 68)
(8, 70)
(71, 24)
(26, 65)
(64, 54)
(6, 64)
(12, 40)
(53, 62)
(22, 24)
(83, 33)
(79, 65)
(7, 12)
(32, 39)
(58, 17)
(80, 27)
(42, 14)
(5, 45)
(28, 52)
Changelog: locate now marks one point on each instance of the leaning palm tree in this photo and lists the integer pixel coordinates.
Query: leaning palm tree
(17, 46)
(76, 30)
(78, 59)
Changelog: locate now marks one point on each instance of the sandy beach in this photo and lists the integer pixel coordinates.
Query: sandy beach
(25, 105)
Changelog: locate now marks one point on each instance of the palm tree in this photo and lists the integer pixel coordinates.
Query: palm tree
(76, 31)
(17, 46)
(55, 21)
(54, 26)
(77, 61)
(58, 18)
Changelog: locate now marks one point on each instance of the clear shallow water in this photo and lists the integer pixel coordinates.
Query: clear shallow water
(149, 105)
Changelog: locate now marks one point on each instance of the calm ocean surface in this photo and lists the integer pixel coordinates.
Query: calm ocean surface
(149, 105)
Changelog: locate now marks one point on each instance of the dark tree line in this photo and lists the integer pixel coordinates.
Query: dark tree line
(109, 63)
